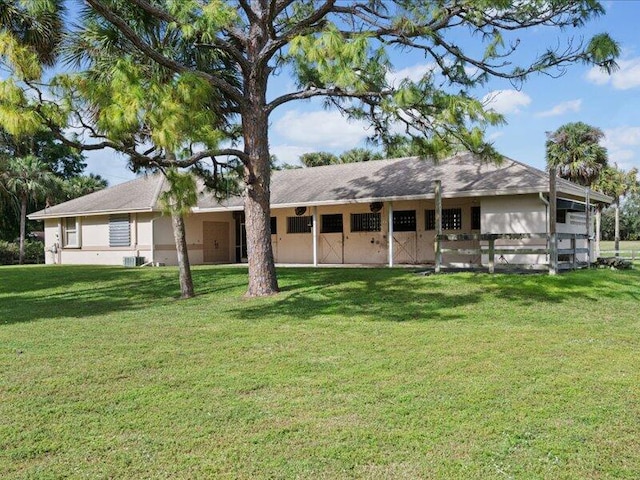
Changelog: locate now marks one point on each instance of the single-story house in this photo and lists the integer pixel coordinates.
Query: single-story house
(336, 214)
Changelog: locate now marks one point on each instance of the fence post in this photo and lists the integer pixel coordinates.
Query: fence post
(553, 254)
(492, 254)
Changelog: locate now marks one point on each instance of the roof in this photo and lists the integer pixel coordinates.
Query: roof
(380, 180)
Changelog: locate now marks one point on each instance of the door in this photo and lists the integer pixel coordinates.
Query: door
(404, 248)
(215, 237)
(331, 248)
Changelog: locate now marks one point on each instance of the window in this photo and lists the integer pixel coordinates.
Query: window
(430, 219)
(70, 232)
(331, 223)
(404, 221)
(475, 218)
(119, 231)
(366, 222)
(561, 216)
(451, 219)
(274, 226)
(299, 224)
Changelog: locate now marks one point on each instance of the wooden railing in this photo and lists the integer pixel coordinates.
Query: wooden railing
(550, 250)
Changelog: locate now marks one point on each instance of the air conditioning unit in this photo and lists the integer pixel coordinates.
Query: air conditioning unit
(132, 261)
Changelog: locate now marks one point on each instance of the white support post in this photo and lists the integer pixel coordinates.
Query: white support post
(587, 195)
(437, 189)
(314, 231)
(390, 232)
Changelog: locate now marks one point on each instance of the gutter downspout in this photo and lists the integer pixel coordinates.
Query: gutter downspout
(153, 240)
(546, 218)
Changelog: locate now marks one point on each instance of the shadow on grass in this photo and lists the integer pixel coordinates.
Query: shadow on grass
(36, 293)
(375, 294)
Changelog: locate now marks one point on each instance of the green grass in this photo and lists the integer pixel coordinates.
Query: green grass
(371, 373)
(626, 245)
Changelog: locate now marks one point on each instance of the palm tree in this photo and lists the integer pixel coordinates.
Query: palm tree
(618, 184)
(76, 187)
(177, 202)
(574, 150)
(27, 178)
(36, 24)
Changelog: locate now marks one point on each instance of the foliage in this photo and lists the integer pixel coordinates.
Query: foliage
(316, 159)
(348, 373)
(616, 183)
(10, 252)
(182, 193)
(629, 220)
(575, 150)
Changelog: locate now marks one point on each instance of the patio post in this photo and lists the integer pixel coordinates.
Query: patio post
(553, 240)
(587, 195)
(390, 232)
(437, 187)
(314, 232)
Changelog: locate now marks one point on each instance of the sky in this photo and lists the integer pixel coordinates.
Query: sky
(542, 104)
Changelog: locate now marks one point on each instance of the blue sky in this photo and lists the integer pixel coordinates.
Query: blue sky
(542, 104)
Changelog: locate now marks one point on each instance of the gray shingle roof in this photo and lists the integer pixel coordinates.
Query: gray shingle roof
(412, 177)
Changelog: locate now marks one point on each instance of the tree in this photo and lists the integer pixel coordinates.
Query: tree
(359, 155)
(316, 159)
(177, 202)
(80, 185)
(27, 178)
(574, 150)
(337, 51)
(617, 183)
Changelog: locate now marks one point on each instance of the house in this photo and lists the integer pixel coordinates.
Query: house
(336, 214)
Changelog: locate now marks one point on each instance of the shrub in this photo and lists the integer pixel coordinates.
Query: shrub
(9, 253)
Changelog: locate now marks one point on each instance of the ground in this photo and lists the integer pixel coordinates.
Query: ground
(372, 373)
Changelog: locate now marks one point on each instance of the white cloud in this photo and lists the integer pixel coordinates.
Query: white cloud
(626, 77)
(413, 73)
(623, 144)
(506, 101)
(320, 130)
(562, 108)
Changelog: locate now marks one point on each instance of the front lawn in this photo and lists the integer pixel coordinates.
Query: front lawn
(371, 373)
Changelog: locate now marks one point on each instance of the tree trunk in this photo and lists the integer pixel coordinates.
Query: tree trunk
(616, 243)
(257, 173)
(179, 234)
(23, 226)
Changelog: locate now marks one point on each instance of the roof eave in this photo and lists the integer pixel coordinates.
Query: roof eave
(44, 216)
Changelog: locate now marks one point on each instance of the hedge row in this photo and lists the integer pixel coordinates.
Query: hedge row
(10, 252)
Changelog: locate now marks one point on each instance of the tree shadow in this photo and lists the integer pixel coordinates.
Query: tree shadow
(47, 292)
(375, 294)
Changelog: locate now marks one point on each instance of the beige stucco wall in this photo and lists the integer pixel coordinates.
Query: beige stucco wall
(505, 214)
(165, 250)
(515, 214)
(93, 248)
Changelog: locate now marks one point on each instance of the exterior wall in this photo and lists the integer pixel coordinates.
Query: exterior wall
(152, 235)
(365, 247)
(93, 247)
(165, 247)
(515, 214)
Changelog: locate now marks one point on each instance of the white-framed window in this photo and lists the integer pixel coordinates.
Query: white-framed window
(70, 232)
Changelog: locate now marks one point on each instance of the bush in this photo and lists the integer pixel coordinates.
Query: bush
(33, 251)
(10, 252)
